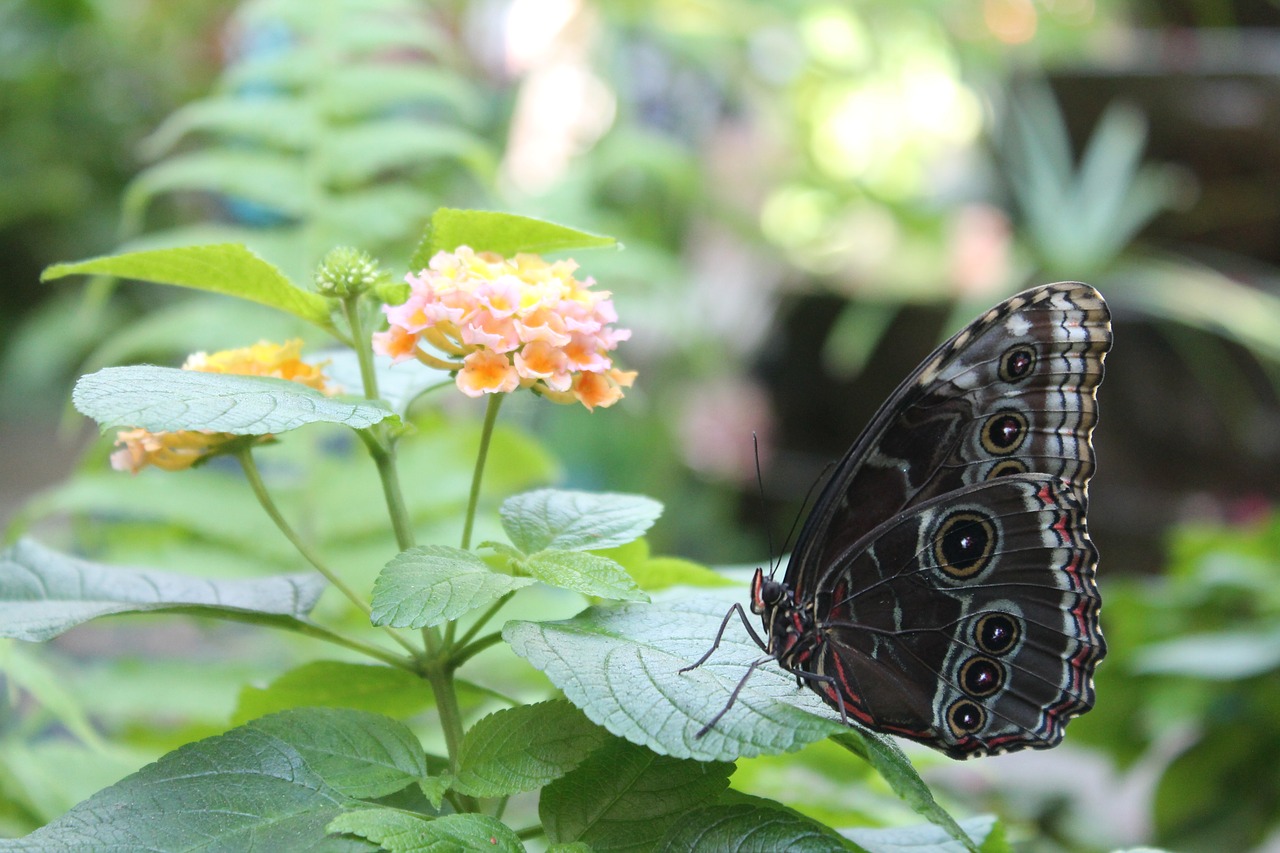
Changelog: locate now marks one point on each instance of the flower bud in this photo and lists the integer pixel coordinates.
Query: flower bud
(347, 272)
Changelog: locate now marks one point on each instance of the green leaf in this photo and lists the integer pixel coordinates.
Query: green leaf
(624, 797)
(362, 152)
(620, 665)
(402, 832)
(655, 573)
(337, 684)
(433, 584)
(1217, 656)
(166, 398)
(912, 839)
(504, 233)
(523, 748)
(750, 828)
(896, 769)
(360, 754)
(246, 789)
(44, 593)
(576, 521)
(226, 268)
(589, 574)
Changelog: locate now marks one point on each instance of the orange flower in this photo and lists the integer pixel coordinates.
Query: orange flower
(179, 449)
(498, 324)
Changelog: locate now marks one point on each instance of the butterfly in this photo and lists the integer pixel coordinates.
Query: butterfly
(942, 587)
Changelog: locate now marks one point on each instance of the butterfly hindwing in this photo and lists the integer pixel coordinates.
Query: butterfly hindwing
(968, 622)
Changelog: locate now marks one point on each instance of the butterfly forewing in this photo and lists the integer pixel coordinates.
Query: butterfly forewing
(946, 568)
(1013, 392)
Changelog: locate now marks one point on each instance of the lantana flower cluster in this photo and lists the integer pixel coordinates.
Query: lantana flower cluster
(500, 324)
(179, 449)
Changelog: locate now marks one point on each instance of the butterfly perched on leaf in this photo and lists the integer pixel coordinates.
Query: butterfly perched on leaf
(942, 587)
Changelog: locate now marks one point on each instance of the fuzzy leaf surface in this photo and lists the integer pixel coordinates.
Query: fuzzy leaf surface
(166, 398)
(523, 748)
(548, 519)
(433, 584)
(44, 593)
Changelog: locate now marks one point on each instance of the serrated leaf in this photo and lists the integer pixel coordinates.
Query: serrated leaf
(337, 684)
(433, 584)
(43, 593)
(589, 574)
(402, 832)
(925, 837)
(504, 233)
(576, 521)
(624, 797)
(620, 666)
(244, 789)
(523, 748)
(166, 398)
(227, 268)
(897, 770)
(360, 754)
(750, 829)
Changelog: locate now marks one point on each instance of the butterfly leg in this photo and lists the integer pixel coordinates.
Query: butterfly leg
(825, 679)
(733, 697)
(737, 608)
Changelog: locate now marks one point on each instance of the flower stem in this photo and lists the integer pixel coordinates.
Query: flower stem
(362, 345)
(311, 629)
(251, 473)
(486, 433)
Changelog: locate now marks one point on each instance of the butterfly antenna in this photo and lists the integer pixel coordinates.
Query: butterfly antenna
(768, 531)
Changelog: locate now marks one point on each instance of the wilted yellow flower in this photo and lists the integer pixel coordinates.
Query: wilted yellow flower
(179, 449)
(499, 324)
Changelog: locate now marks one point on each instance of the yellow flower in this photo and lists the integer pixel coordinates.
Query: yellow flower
(499, 323)
(179, 449)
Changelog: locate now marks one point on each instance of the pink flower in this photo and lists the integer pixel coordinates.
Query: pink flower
(500, 323)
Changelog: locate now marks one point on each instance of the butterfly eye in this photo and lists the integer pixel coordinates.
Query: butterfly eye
(964, 544)
(1017, 363)
(996, 633)
(981, 677)
(965, 717)
(1003, 432)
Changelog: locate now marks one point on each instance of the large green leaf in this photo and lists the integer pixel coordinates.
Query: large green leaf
(624, 797)
(43, 593)
(504, 233)
(275, 784)
(226, 268)
(433, 584)
(403, 832)
(748, 827)
(523, 748)
(166, 398)
(576, 521)
(620, 665)
(363, 755)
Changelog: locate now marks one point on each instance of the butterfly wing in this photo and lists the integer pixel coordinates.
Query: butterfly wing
(988, 441)
(1012, 392)
(969, 622)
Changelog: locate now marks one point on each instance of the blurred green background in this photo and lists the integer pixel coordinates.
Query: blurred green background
(811, 195)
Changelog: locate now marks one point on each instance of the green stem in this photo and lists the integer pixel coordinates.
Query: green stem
(363, 346)
(467, 652)
(484, 618)
(486, 433)
(311, 629)
(440, 676)
(251, 473)
(385, 460)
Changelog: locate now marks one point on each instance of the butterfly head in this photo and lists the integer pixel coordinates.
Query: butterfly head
(766, 593)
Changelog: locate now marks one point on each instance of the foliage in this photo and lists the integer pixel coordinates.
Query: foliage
(336, 754)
